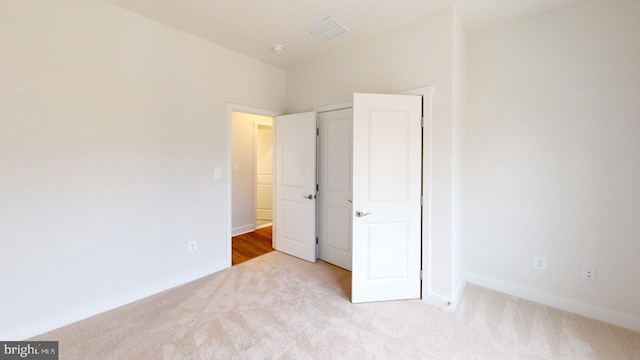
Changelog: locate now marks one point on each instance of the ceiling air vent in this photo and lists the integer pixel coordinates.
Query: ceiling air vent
(327, 29)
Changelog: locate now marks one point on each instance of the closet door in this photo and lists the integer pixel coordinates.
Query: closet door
(264, 172)
(334, 187)
(295, 179)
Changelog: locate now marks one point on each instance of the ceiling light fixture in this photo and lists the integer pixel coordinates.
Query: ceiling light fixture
(328, 29)
(277, 48)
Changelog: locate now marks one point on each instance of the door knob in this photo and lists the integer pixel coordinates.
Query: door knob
(310, 196)
(361, 214)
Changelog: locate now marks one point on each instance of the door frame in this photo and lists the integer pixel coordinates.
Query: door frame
(426, 293)
(247, 110)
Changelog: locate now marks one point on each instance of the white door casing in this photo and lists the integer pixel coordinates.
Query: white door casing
(334, 183)
(387, 147)
(295, 185)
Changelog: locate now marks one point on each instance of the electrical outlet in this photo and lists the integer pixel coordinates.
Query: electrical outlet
(540, 262)
(236, 167)
(217, 173)
(192, 246)
(589, 273)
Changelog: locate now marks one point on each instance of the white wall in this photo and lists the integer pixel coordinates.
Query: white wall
(553, 158)
(111, 127)
(415, 55)
(458, 155)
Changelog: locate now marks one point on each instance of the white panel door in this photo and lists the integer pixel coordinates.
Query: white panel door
(264, 171)
(387, 146)
(295, 178)
(334, 184)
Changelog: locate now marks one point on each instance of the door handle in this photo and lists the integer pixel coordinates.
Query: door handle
(310, 196)
(361, 214)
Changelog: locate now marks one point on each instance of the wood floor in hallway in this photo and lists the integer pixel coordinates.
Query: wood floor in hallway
(250, 245)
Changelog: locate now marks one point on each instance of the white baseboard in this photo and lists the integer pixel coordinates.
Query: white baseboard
(264, 226)
(99, 307)
(436, 300)
(443, 302)
(243, 229)
(462, 283)
(576, 307)
(265, 213)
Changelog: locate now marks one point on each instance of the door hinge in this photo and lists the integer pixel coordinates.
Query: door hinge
(317, 187)
(421, 201)
(317, 131)
(316, 240)
(420, 274)
(422, 121)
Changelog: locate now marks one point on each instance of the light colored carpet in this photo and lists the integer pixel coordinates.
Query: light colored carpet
(280, 307)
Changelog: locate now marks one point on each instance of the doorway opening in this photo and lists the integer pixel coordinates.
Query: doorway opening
(251, 245)
(250, 182)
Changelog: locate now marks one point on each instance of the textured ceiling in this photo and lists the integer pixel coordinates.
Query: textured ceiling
(251, 27)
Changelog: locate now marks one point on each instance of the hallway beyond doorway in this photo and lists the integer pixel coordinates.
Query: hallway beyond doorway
(251, 245)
